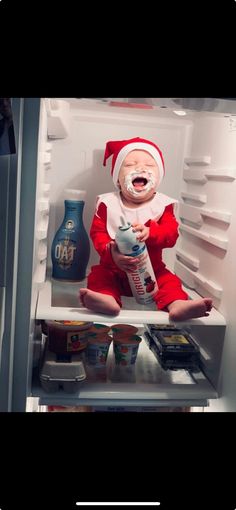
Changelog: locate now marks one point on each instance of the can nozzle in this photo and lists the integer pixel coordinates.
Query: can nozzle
(125, 225)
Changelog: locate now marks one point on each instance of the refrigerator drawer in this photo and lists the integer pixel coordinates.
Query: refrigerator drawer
(144, 384)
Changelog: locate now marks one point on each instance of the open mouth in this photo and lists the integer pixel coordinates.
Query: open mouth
(139, 183)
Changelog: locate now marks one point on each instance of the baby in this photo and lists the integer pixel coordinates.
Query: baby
(137, 171)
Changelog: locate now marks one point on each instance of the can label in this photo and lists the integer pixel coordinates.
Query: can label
(142, 281)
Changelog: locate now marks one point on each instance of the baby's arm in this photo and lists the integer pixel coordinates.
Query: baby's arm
(98, 230)
(105, 246)
(99, 235)
(163, 233)
(124, 262)
(142, 231)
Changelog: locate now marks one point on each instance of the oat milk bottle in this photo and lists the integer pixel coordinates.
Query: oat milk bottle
(71, 248)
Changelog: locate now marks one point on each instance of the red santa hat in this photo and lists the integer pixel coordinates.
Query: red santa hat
(120, 148)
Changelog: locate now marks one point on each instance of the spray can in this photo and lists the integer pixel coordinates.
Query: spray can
(142, 280)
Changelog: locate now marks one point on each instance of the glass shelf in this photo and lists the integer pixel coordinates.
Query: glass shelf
(143, 384)
(58, 301)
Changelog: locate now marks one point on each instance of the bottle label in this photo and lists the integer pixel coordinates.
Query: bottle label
(64, 253)
(70, 225)
(76, 341)
(70, 248)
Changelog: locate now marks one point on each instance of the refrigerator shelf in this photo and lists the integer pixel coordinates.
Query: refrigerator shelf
(143, 384)
(58, 301)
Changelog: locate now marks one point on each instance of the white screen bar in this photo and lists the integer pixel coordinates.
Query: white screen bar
(114, 503)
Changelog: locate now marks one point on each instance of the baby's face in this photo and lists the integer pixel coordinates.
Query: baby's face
(138, 176)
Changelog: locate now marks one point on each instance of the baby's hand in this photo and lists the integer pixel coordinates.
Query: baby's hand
(124, 262)
(143, 231)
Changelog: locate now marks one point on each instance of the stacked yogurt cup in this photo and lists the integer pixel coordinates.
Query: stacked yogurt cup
(125, 344)
(98, 345)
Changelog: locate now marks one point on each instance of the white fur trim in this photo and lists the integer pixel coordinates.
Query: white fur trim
(131, 147)
(152, 210)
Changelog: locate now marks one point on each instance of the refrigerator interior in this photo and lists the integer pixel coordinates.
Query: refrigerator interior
(199, 150)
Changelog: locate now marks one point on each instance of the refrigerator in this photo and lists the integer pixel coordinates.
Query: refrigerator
(60, 145)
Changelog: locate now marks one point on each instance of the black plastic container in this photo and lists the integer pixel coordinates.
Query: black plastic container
(174, 349)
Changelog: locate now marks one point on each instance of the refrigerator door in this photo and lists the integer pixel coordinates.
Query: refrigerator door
(10, 168)
(25, 304)
(4, 167)
(18, 296)
(2, 315)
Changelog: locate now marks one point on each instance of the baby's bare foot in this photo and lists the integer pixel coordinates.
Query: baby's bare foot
(190, 309)
(97, 302)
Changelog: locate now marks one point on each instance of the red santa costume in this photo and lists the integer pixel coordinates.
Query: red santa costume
(157, 214)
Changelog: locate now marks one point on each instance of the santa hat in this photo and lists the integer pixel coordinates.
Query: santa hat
(120, 148)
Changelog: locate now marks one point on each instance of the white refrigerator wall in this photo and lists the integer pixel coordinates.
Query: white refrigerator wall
(77, 161)
(216, 137)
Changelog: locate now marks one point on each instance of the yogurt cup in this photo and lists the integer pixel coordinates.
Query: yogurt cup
(97, 350)
(126, 349)
(123, 330)
(99, 328)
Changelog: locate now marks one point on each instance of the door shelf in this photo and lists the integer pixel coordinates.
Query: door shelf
(63, 296)
(196, 214)
(201, 160)
(194, 280)
(194, 197)
(143, 384)
(202, 176)
(209, 238)
(188, 259)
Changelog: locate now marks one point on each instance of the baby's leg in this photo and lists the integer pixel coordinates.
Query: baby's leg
(172, 297)
(103, 293)
(98, 302)
(180, 310)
